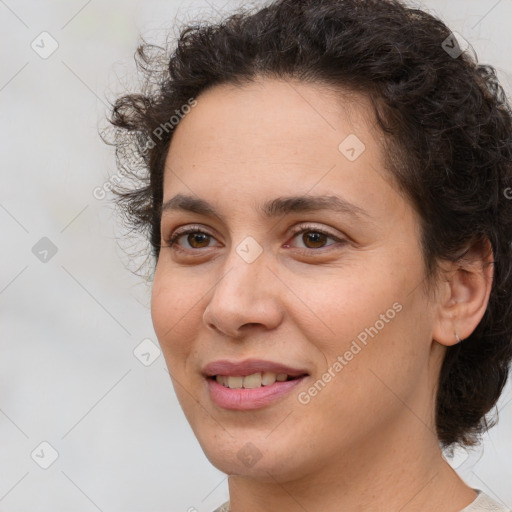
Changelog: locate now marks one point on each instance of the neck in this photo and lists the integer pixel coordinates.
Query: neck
(393, 470)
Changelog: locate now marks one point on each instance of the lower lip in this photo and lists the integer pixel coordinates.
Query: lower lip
(247, 399)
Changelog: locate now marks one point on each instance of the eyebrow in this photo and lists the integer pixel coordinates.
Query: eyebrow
(272, 208)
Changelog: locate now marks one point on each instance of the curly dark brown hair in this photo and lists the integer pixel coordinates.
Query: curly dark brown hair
(445, 120)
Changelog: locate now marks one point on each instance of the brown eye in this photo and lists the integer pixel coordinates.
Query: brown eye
(194, 238)
(312, 239)
(316, 238)
(198, 238)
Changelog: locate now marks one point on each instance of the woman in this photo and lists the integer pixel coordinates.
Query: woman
(325, 185)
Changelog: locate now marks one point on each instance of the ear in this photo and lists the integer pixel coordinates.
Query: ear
(464, 294)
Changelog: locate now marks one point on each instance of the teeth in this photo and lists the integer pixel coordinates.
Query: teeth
(255, 380)
(268, 378)
(252, 381)
(234, 382)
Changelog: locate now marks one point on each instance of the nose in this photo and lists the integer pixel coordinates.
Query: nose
(245, 296)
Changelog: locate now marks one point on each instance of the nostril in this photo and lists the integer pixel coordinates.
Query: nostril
(249, 324)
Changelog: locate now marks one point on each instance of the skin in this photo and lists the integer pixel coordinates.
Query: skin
(367, 440)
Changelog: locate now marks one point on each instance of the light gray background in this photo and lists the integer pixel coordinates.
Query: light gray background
(68, 375)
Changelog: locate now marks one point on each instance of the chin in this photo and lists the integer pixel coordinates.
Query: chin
(261, 459)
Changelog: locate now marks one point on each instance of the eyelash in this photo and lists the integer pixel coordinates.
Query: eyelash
(297, 231)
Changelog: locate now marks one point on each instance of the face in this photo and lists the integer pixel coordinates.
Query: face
(333, 293)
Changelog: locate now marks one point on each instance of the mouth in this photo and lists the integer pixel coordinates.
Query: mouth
(245, 399)
(250, 384)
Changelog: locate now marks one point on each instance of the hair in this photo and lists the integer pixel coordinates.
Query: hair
(446, 125)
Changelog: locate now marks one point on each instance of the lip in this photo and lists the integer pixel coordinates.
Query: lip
(250, 399)
(248, 367)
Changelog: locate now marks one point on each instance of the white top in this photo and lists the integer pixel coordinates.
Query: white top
(482, 503)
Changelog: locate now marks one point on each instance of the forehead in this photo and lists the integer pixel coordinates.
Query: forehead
(272, 126)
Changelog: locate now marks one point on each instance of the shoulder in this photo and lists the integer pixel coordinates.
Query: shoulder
(225, 508)
(484, 503)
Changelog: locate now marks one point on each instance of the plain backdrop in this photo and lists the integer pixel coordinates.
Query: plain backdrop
(72, 314)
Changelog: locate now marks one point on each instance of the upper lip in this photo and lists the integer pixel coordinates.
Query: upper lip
(248, 367)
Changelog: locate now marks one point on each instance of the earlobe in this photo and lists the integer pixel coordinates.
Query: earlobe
(467, 289)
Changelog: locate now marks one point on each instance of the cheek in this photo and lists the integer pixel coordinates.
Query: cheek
(174, 312)
(350, 300)
(370, 318)
(384, 358)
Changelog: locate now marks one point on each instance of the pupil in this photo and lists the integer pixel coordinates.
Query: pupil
(194, 237)
(317, 237)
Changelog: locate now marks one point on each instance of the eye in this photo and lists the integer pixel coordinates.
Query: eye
(195, 237)
(314, 238)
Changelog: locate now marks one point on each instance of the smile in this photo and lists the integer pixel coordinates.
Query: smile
(243, 398)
